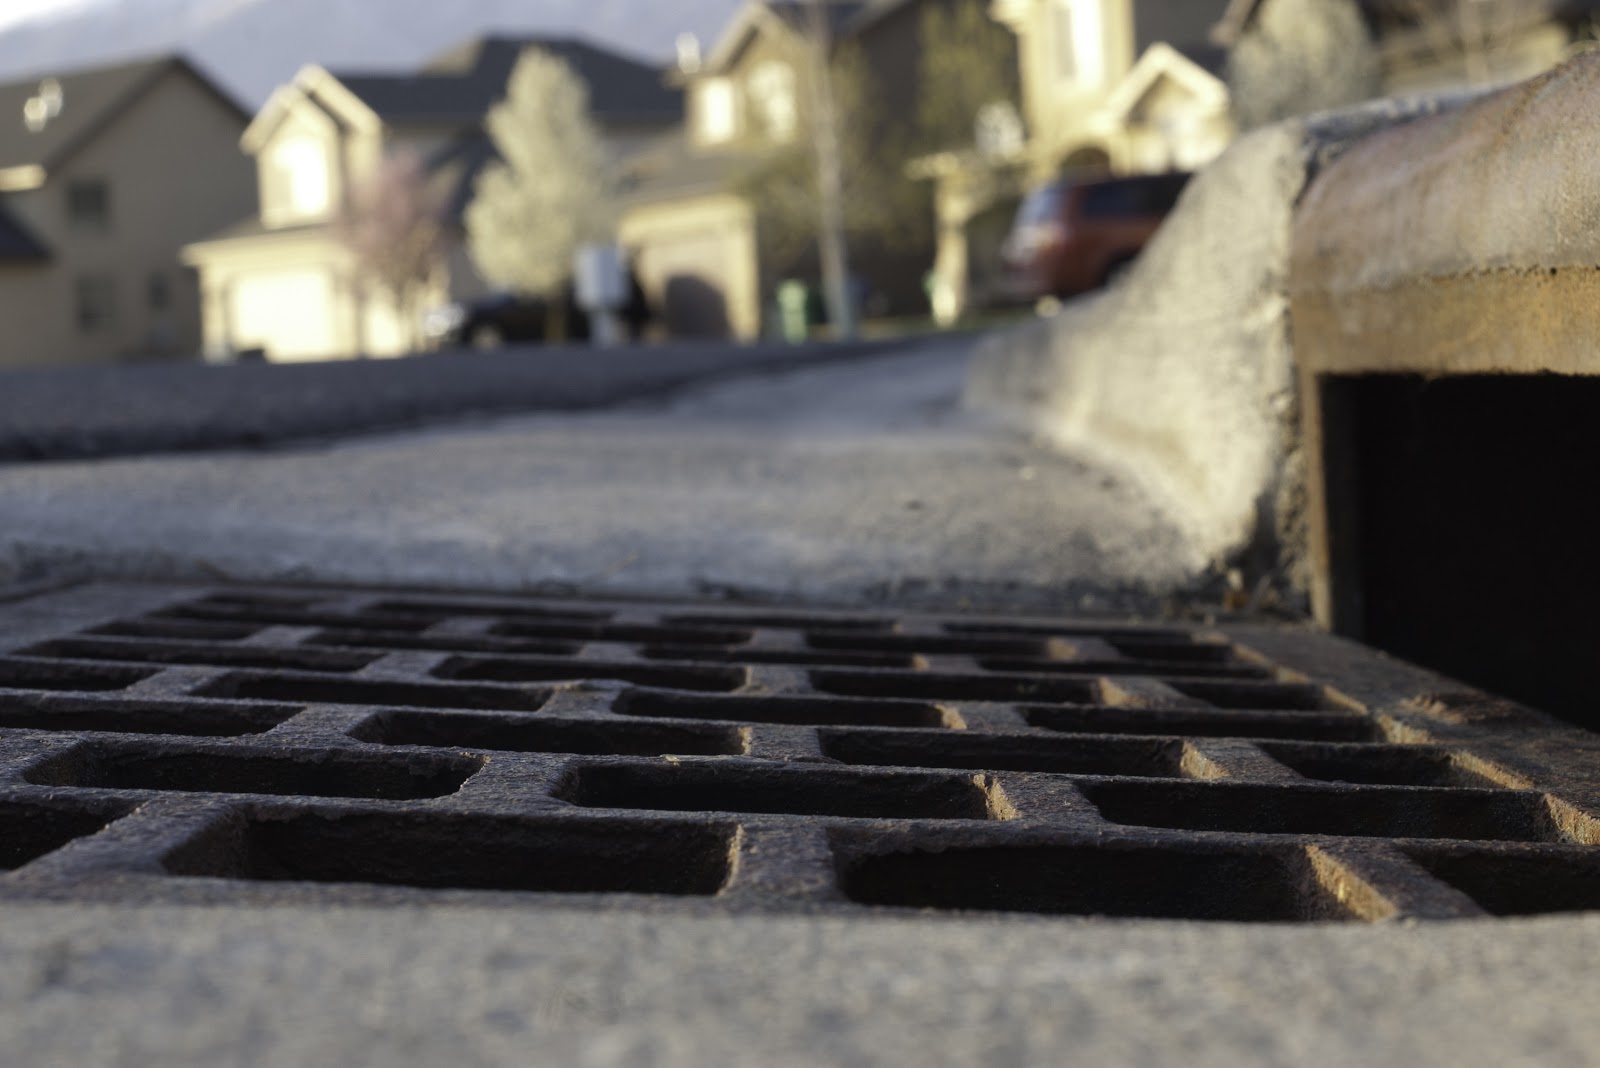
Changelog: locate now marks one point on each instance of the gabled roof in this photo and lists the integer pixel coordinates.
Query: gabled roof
(461, 85)
(17, 242)
(90, 101)
(792, 15)
(1184, 24)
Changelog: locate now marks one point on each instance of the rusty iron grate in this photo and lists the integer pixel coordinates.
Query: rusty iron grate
(285, 745)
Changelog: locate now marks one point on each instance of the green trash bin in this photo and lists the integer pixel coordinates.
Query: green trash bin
(794, 310)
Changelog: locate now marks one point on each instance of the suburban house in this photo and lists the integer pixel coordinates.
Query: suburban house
(1108, 86)
(697, 238)
(318, 137)
(104, 176)
(1448, 44)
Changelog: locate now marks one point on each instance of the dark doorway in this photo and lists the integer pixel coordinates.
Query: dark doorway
(1465, 528)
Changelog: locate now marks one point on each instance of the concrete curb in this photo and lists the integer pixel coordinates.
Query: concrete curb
(84, 413)
(1183, 375)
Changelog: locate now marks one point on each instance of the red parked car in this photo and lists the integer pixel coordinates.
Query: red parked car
(1072, 236)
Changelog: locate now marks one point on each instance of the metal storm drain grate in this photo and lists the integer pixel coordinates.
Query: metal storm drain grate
(303, 746)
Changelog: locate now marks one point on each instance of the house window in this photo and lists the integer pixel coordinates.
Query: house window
(718, 110)
(1077, 42)
(302, 168)
(158, 292)
(89, 205)
(97, 309)
(772, 90)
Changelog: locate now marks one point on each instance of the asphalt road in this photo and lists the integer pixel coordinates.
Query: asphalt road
(847, 483)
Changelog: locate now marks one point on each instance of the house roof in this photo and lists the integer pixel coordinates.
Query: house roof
(18, 243)
(461, 85)
(90, 101)
(673, 169)
(845, 17)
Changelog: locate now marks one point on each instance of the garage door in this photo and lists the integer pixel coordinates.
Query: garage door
(290, 314)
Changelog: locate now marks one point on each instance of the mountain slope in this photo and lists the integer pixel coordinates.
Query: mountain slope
(252, 46)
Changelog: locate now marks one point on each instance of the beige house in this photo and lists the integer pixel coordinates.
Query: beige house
(1109, 86)
(104, 176)
(698, 244)
(281, 282)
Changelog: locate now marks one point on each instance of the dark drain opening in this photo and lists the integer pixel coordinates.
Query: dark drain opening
(791, 711)
(439, 852)
(312, 775)
(1463, 517)
(46, 675)
(1162, 883)
(515, 734)
(785, 791)
(29, 831)
(1381, 812)
(939, 687)
(1508, 884)
(195, 719)
(261, 686)
(1377, 765)
(531, 669)
(188, 653)
(1205, 723)
(1063, 756)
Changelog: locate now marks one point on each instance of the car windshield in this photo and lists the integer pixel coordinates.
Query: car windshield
(1134, 197)
(1041, 206)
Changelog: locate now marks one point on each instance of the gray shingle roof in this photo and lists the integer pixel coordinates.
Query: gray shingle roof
(461, 85)
(90, 100)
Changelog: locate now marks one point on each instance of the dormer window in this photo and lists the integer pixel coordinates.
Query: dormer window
(772, 92)
(1077, 41)
(719, 112)
(302, 167)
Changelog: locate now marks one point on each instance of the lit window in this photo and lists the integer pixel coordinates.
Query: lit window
(303, 169)
(1077, 42)
(718, 110)
(772, 87)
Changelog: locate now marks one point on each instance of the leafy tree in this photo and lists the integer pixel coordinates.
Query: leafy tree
(969, 62)
(395, 230)
(550, 191)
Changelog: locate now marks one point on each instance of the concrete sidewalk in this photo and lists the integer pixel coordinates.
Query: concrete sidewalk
(856, 482)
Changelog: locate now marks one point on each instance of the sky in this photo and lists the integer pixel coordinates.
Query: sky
(15, 11)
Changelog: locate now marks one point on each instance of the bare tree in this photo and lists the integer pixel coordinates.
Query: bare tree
(550, 191)
(831, 240)
(1474, 33)
(1300, 56)
(394, 228)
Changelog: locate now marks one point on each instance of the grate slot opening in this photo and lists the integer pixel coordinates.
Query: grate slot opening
(140, 717)
(779, 656)
(449, 852)
(943, 687)
(613, 632)
(28, 831)
(183, 653)
(448, 609)
(1508, 884)
(45, 675)
(519, 735)
(780, 621)
(241, 599)
(1189, 652)
(778, 791)
(1153, 757)
(1371, 812)
(1151, 668)
(265, 687)
(532, 669)
(930, 644)
(293, 617)
(1205, 723)
(376, 639)
(311, 774)
(1111, 633)
(178, 629)
(1260, 696)
(785, 711)
(1171, 883)
(1378, 765)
